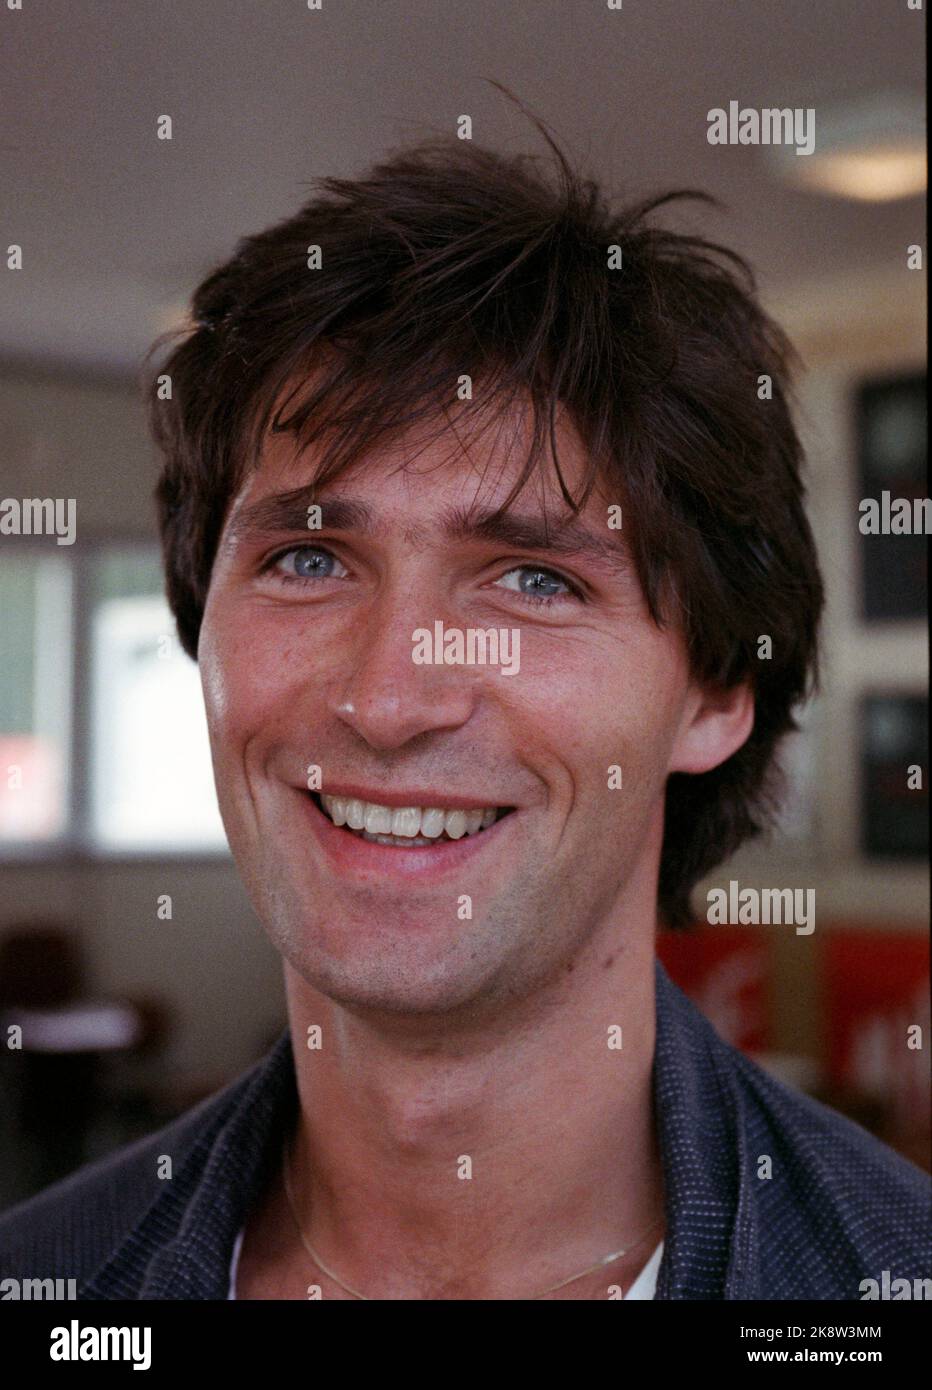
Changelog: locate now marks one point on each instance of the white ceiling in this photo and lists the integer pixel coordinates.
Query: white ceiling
(265, 95)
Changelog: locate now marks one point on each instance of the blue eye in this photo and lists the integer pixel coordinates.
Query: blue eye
(542, 588)
(305, 562)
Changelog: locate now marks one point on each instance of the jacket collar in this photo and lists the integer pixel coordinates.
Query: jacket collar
(710, 1246)
(181, 1248)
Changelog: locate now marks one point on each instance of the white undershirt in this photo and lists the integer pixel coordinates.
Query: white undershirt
(642, 1288)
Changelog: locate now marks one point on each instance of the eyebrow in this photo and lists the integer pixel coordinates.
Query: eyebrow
(287, 512)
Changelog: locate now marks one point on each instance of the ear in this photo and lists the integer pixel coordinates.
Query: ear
(715, 723)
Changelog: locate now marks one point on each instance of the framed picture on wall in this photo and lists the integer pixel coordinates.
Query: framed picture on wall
(892, 444)
(894, 776)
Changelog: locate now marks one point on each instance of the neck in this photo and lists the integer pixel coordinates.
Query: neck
(484, 1162)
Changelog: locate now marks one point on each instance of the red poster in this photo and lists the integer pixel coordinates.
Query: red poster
(876, 994)
(724, 971)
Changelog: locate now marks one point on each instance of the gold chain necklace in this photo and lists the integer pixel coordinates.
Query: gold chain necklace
(606, 1259)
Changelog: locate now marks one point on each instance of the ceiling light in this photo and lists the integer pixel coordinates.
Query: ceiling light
(872, 150)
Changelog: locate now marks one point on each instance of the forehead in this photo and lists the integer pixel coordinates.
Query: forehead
(452, 460)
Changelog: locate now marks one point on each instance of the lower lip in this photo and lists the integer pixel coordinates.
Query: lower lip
(350, 853)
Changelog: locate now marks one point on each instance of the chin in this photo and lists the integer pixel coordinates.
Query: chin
(397, 983)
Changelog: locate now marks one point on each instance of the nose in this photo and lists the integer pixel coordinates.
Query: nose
(389, 699)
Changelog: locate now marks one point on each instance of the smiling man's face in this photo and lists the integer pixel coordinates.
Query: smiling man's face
(306, 661)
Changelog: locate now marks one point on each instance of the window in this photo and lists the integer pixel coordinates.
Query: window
(35, 706)
(135, 735)
(151, 783)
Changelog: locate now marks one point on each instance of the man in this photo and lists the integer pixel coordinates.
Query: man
(446, 403)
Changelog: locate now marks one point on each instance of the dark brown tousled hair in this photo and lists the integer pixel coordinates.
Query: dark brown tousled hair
(449, 259)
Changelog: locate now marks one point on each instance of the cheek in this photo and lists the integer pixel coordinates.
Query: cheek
(620, 708)
(244, 677)
(633, 692)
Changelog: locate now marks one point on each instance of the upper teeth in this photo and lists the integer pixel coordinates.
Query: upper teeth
(430, 821)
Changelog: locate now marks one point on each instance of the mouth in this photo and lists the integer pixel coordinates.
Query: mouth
(407, 827)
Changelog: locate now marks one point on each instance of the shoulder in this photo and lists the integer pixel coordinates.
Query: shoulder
(69, 1228)
(829, 1192)
(819, 1207)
